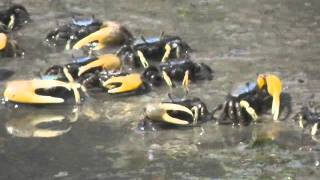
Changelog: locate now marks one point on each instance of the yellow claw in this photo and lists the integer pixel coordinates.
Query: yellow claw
(121, 84)
(107, 62)
(3, 41)
(25, 91)
(274, 88)
(159, 112)
(110, 33)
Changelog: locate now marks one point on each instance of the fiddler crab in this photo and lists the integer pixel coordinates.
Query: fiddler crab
(122, 83)
(104, 72)
(178, 112)
(176, 69)
(244, 105)
(43, 91)
(83, 66)
(14, 17)
(139, 50)
(88, 32)
(309, 117)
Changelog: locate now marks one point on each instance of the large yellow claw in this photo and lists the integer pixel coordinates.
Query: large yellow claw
(122, 84)
(111, 33)
(24, 91)
(274, 88)
(159, 112)
(3, 41)
(107, 62)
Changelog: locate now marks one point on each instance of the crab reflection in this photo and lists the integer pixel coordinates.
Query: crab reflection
(41, 123)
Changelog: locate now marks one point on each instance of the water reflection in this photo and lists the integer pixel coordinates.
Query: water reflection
(41, 123)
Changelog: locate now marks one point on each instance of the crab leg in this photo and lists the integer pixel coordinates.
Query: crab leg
(73, 85)
(314, 129)
(11, 22)
(167, 79)
(167, 52)
(196, 115)
(143, 60)
(244, 104)
(185, 82)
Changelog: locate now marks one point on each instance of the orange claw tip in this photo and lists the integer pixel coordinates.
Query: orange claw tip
(3, 40)
(122, 84)
(24, 91)
(107, 62)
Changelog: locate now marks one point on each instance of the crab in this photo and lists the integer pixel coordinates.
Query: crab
(110, 33)
(244, 105)
(14, 17)
(309, 116)
(9, 48)
(176, 68)
(91, 32)
(153, 48)
(82, 66)
(179, 112)
(42, 91)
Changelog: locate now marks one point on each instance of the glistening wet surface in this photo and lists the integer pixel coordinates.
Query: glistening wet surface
(238, 39)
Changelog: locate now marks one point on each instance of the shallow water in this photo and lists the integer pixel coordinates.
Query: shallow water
(238, 39)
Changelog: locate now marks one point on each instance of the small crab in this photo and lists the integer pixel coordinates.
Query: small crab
(153, 48)
(119, 82)
(80, 67)
(41, 91)
(9, 48)
(14, 17)
(67, 35)
(244, 105)
(110, 33)
(176, 68)
(175, 112)
(309, 116)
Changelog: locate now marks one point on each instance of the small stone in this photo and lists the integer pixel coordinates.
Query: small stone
(61, 174)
